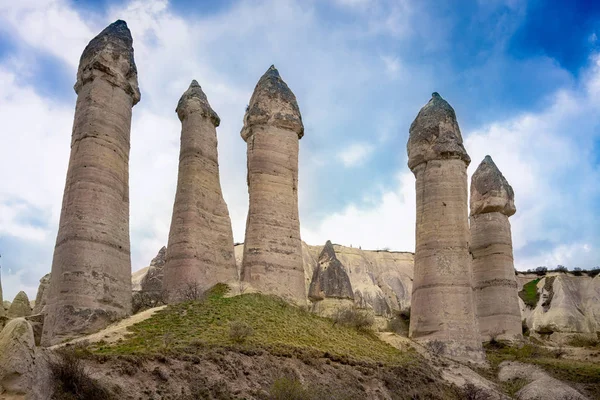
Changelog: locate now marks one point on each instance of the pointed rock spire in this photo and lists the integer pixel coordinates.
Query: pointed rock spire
(110, 55)
(194, 100)
(272, 103)
(435, 135)
(20, 306)
(490, 191)
(330, 279)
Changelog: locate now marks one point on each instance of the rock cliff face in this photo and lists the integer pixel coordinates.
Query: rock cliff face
(2, 310)
(200, 248)
(20, 306)
(567, 304)
(442, 298)
(494, 283)
(42, 295)
(90, 285)
(329, 279)
(272, 260)
(153, 279)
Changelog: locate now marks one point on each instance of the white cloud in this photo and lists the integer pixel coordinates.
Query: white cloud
(355, 154)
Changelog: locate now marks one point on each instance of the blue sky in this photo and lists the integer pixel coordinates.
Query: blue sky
(523, 77)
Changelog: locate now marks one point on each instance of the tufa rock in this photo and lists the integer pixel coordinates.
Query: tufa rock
(20, 306)
(442, 294)
(153, 279)
(330, 279)
(494, 282)
(272, 260)
(42, 295)
(490, 192)
(2, 310)
(90, 285)
(200, 247)
(17, 358)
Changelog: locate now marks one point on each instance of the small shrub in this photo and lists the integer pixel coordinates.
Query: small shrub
(288, 389)
(577, 271)
(71, 379)
(494, 342)
(545, 330)
(239, 331)
(436, 347)
(141, 301)
(191, 291)
(400, 322)
(593, 272)
(361, 320)
(583, 341)
(561, 268)
(541, 271)
(472, 392)
(512, 386)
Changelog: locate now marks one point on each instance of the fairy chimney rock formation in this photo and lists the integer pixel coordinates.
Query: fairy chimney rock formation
(153, 280)
(330, 279)
(90, 284)
(494, 283)
(272, 260)
(200, 248)
(442, 296)
(20, 306)
(41, 297)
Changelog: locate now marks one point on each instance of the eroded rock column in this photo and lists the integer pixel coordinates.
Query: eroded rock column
(494, 283)
(200, 248)
(90, 284)
(442, 297)
(272, 261)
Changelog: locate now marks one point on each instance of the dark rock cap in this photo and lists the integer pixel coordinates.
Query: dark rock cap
(194, 100)
(272, 103)
(435, 135)
(330, 279)
(490, 191)
(110, 55)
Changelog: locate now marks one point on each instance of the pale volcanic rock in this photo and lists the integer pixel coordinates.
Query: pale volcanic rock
(494, 282)
(200, 248)
(17, 357)
(20, 306)
(41, 297)
(90, 285)
(272, 260)
(330, 279)
(442, 297)
(152, 280)
(2, 310)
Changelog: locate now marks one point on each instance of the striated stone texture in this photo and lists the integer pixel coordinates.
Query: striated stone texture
(2, 311)
(41, 297)
(330, 279)
(20, 306)
(90, 285)
(272, 260)
(442, 294)
(153, 279)
(200, 247)
(494, 282)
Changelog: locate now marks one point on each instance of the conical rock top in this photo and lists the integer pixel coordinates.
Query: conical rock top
(110, 56)
(272, 103)
(490, 191)
(194, 100)
(20, 307)
(435, 135)
(330, 279)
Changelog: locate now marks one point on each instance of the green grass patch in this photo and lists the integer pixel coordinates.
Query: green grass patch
(277, 327)
(529, 294)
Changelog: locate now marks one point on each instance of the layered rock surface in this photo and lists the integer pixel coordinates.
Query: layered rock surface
(41, 297)
(200, 247)
(494, 283)
(2, 310)
(272, 259)
(20, 306)
(153, 279)
(90, 285)
(442, 296)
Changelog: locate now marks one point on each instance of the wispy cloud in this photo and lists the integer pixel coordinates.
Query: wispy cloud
(355, 154)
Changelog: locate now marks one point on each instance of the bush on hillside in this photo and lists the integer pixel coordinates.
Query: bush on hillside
(583, 341)
(360, 320)
(239, 331)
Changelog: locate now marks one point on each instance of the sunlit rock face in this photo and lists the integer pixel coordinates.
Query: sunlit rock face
(90, 285)
(494, 282)
(272, 259)
(200, 247)
(442, 293)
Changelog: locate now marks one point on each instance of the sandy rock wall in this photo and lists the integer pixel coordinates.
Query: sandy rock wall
(494, 283)
(41, 297)
(90, 285)
(200, 247)
(442, 299)
(272, 260)
(20, 306)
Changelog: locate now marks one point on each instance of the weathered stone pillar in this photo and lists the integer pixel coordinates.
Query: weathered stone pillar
(272, 261)
(90, 285)
(200, 248)
(20, 306)
(494, 282)
(442, 297)
(2, 311)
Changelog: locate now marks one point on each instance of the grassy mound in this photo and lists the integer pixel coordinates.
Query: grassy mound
(274, 325)
(529, 294)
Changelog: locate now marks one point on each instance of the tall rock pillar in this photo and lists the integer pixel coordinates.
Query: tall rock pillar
(200, 248)
(442, 298)
(494, 282)
(272, 261)
(90, 284)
